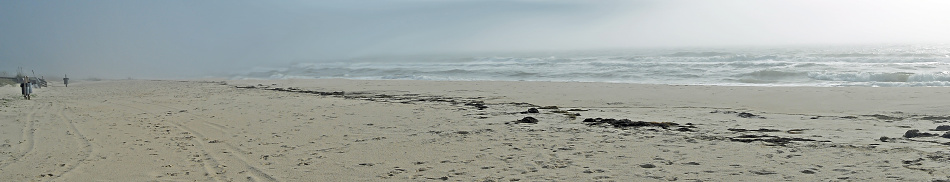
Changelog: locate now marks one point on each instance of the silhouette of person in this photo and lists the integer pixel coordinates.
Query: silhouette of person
(25, 88)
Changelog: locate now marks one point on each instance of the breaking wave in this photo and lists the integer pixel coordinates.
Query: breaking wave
(895, 66)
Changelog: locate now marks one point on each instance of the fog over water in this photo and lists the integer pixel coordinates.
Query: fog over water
(193, 39)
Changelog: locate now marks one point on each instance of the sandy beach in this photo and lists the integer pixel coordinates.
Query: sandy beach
(360, 130)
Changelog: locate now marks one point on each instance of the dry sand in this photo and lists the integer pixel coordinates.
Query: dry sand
(353, 130)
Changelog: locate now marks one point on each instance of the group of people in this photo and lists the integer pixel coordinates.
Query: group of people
(26, 85)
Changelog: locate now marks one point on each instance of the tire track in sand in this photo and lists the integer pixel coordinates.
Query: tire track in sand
(220, 129)
(208, 163)
(81, 140)
(52, 147)
(217, 161)
(27, 145)
(230, 149)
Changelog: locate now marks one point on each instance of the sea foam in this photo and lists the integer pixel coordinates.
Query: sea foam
(876, 66)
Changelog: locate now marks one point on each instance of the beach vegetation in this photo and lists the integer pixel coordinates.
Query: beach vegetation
(5, 82)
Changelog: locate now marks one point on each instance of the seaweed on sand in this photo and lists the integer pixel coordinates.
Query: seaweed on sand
(626, 123)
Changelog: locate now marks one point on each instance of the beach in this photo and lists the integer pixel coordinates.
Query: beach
(411, 130)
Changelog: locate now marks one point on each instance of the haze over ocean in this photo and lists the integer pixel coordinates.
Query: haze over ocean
(878, 66)
(824, 43)
(475, 90)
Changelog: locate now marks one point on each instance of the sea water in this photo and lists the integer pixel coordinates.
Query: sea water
(828, 66)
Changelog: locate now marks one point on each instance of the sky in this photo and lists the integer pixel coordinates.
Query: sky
(187, 39)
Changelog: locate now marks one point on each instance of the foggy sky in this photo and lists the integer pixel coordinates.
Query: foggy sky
(187, 39)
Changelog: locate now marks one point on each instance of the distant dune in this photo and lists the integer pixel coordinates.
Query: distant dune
(7, 81)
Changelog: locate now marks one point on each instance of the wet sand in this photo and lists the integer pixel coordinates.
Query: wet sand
(355, 130)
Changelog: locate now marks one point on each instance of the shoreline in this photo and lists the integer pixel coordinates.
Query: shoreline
(442, 130)
(712, 95)
(881, 84)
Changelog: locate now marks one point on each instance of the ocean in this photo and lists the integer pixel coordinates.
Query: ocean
(828, 66)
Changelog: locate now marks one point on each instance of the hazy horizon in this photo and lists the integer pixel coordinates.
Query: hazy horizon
(188, 39)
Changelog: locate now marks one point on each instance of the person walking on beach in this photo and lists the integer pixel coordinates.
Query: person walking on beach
(25, 87)
(65, 81)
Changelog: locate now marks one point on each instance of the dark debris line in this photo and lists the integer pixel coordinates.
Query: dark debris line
(617, 123)
(739, 114)
(405, 99)
(769, 139)
(626, 123)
